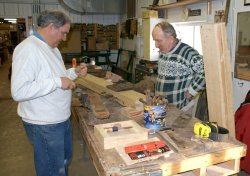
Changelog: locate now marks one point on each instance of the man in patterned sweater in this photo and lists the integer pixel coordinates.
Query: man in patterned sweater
(180, 67)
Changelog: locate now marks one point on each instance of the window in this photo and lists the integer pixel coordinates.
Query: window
(189, 33)
(242, 50)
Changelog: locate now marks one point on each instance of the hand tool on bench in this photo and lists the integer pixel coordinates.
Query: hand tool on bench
(211, 130)
(116, 128)
(148, 149)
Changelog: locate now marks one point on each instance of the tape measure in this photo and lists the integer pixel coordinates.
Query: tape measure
(204, 129)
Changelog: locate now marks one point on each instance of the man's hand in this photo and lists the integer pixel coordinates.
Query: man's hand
(188, 95)
(81, 70)
(67, 83)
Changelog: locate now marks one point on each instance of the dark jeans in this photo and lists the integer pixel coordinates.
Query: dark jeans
(52, 147)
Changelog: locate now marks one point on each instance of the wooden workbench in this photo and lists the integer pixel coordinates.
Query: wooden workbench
(194, 156)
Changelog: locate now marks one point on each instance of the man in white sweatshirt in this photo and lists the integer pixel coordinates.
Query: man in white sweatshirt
(42, 86)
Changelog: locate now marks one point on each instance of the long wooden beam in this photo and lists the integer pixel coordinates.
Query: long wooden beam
(218, 75)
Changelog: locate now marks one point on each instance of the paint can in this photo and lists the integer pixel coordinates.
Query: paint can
(154, 117)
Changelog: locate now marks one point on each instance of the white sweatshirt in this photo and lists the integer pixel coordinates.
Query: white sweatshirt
(36, 83)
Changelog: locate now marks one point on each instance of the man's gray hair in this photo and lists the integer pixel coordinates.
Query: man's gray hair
(57, 18)
(167, 28)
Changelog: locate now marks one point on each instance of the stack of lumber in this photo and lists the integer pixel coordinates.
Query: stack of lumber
(126, 98)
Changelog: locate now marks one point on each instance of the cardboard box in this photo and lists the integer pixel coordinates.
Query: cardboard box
(114, 45)
(91, 44)
(102, 46)
(7, 27)
(150, 14)
(73, 42)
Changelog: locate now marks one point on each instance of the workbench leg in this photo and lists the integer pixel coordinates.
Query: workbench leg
(200, 172)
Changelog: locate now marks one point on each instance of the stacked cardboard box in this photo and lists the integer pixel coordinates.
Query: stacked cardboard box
(73, 42)
(106, 36)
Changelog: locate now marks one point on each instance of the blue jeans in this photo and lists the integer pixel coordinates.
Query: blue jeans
(52, 147)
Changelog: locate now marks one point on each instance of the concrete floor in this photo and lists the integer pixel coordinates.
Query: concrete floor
(16, 153)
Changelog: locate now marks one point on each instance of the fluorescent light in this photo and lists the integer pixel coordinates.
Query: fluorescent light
(10, 19)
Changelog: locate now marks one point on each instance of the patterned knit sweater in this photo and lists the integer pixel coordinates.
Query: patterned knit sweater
(180, 70)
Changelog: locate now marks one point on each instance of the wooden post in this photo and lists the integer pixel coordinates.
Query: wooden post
(218, 75)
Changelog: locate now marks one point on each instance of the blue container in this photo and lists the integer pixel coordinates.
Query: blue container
(154, 117)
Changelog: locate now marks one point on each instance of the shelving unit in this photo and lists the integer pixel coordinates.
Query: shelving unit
(179, 4)
(109, 33)
(97, 33)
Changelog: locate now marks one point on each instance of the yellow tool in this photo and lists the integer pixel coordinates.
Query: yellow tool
(204, 129)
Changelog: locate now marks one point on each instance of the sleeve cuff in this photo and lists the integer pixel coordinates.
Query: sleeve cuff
(192, 91)
(58, 82)
(74, 72)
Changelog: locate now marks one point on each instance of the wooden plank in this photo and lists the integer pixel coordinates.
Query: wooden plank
(73, 43)
(122, 136)
(218, 75)
(127, 98)
(228, 84)
(97, 105)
